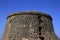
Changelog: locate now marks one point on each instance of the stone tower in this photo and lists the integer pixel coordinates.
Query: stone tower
(29, 26)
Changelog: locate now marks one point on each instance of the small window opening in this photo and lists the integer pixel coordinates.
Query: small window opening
(42, 38)
(40, 21)
(39, 34)
(40, 29)
(39, 17)
(10, 21)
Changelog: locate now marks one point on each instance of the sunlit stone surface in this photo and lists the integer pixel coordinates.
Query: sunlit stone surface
(29, 26)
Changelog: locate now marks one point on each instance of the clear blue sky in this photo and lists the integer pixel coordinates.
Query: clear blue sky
(51, 7)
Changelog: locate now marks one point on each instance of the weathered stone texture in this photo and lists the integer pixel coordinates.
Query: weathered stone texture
(29, 26)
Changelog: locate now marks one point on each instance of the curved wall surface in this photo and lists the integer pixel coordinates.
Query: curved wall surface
(29, 26)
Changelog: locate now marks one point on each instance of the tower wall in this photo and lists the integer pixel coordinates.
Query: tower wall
(29, 26)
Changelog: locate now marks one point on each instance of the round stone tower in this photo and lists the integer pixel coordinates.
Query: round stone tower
(29, 26)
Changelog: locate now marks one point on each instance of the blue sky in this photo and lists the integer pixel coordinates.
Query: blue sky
(51, 7)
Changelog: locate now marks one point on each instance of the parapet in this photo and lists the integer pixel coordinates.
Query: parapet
(31, 13)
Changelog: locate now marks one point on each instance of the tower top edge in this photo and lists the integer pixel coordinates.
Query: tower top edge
(30, 13)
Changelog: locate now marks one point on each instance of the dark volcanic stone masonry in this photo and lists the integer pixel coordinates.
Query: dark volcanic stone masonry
(29, 26)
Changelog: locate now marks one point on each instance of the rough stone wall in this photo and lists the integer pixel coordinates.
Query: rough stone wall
(28, 26)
